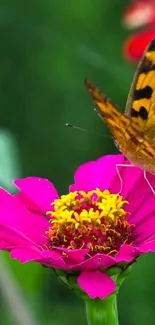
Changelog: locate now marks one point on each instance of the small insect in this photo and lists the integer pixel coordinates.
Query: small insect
(134, 131)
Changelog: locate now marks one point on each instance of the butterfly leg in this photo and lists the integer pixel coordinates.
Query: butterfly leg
(119, 175)
(145, 176)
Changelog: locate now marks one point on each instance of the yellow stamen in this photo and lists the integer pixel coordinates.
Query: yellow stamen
(95, 220)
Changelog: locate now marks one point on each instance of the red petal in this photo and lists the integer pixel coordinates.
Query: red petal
(136, 44)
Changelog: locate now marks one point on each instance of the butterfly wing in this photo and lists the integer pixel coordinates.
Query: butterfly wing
(115, 120)
(140, 106)
(134, 132)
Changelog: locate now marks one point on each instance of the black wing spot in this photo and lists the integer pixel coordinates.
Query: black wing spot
(143, 93)
(143, 113)
(134, 113)
(146, 66)
(151, 47)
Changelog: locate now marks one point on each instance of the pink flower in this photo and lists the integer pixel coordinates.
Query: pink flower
(87, 231)
(139, 13)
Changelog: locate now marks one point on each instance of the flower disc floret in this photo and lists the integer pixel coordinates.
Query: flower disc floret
(95, 220)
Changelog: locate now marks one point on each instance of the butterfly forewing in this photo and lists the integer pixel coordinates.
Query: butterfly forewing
(116, 121)
(134, 131)
(141, 100)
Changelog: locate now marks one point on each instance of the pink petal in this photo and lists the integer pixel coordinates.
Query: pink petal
(77, 255)
(97, 174)
(145, 228)
(54, 262)
(24, 200)
(12, 213)
(97, 261)
(96, 284)
(51, 254)
(129, 176)
(13, 237)
(38, 190)
(5, 246)
(139, 197)
(127, 253)
(74, 256)
(26, 254)
(148, 246)
(31, 253)
(150, 238)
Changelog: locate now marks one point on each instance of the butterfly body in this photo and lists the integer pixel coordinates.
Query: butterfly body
(134, 131)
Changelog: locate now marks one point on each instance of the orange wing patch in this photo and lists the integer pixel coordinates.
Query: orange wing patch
(115, 120)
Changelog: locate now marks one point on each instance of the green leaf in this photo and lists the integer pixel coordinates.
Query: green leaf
(9, 160)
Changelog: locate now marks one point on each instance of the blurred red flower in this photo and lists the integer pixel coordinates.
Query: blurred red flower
(137, 14)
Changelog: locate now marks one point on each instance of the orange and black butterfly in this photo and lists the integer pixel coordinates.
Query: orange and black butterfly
(134, 131)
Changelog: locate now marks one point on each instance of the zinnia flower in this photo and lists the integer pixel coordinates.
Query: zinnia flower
(139, 13)
(88, 232)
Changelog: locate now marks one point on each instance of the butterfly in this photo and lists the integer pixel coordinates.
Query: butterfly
(134, 131)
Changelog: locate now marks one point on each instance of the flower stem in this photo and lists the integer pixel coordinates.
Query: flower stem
(102, 312)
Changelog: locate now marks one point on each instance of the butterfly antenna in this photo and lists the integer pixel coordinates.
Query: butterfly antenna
(98, 114)
(76, 127)
(85, 130)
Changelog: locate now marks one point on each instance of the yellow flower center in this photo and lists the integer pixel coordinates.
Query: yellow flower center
(95, 220)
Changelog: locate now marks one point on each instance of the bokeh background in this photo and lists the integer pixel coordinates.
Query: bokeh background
(47, 49)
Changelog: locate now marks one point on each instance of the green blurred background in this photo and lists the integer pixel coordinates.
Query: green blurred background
(47, 49)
